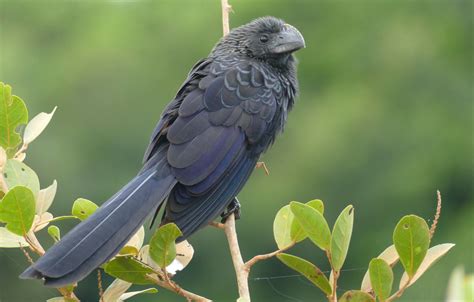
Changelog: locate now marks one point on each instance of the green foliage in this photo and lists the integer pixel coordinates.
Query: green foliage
(83, 208)
(411, 239)
(54, 232)
(381, 278)
(307, 269)
(17, 210)
(129, 269)
(13, 113)
(341, 237)
(313, 223)
(356, 296)
(10, 240)
(17, 173)
(162, 244)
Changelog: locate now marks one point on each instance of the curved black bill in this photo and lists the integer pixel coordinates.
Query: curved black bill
(289, 40)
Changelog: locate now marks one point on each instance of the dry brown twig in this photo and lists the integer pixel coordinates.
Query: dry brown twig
(437, 215)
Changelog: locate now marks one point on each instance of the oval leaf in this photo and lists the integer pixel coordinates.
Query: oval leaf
(411, 239)
(42, 221)
(432, 256)
(313, 223)
(36, 126)
(13, 113)
(45, 198)
(356, 296)
(10, 240)
(131, 294)
(17, 210)
(162, 244)
(341, 237)
(390, 256)
(18, 174)
(282, 226)
(184, 254)
(129, 269)
(83, 208)
(381, 278)
(115, 290)
(54, 232)
(3, 159)
(297, 233)
(307, 269)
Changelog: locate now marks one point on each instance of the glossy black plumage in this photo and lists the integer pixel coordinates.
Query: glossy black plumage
(202, 151)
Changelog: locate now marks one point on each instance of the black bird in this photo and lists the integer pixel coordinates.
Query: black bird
(202, 151)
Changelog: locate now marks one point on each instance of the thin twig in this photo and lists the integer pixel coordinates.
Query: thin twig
(99, 286)
(437, 215)
(255, 259)
(261, 164)
(177, 289)
(217, 225)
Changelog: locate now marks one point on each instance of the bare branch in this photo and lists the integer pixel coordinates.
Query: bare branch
(217, 225)
(255, 259)
(241, 271)
(174, 287)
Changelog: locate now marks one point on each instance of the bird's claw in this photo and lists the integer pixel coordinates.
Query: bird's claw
(233, 207)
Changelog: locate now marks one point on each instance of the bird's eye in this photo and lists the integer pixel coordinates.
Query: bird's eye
(264, 38)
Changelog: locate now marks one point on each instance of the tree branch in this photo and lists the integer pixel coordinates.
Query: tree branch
(241, 271)
(226, 8)
(174, 287)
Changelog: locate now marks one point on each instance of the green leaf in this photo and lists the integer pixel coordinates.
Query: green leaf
(307, 269)
(313, 223)
(356, 296)
(162, 244)
(390, 256)
(381, 278)
(17, 210)
(13, 113)
(129, 269)
(411, 239)
(297, 233)
(282, 225)
(432, 256)
(54, 232)
(36, 126)
(10, 240)
(60, 299)
(17, 173)
(131, 294)
(115, 290)
(83, 208)
(317, 204)
(341, 237)
(45, 198)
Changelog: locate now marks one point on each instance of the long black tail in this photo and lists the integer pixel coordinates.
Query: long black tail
(103, 234)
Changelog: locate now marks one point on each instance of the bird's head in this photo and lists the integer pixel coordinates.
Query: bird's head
(268, 39)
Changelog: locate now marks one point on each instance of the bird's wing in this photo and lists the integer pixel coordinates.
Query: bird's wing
(222, 126)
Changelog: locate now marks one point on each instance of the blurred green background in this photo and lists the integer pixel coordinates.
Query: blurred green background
(384, 119)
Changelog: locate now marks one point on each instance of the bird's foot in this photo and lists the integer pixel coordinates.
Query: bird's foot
(233, 207)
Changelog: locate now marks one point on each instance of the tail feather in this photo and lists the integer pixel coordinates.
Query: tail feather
(103, 234)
